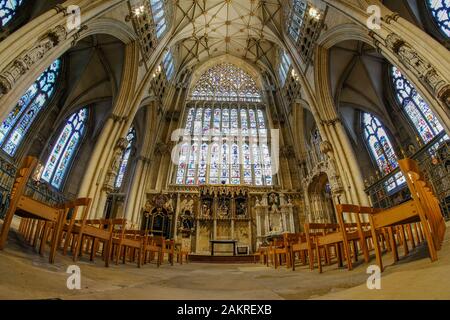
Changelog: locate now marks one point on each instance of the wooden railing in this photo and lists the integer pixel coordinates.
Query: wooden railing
(434, 161)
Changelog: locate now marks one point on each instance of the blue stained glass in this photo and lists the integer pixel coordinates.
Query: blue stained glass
(440, 10)
(283, 68)
(214, 169)
(381, 148)
(235, 165)
(158, 12)
(182, 163)
(65, 148)
(296, 18)
(131, 137)
(225, 156)
(257, 165)
(224, 169)
(247, 167)
(14, 128)
(168, 64)
(8, 9)
(418, 111)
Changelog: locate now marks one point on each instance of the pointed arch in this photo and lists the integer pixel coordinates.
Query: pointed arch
(67, 145)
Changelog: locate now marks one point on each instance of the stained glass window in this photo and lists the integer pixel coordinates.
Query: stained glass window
(66, 146)
(381, 149)
(8, 9)
(168, 64)
(159, 16)
(440, 10)
(226, 82)
(131, 138)
(225, 133)
(418, 111)
(235, 151)
(296, 19)
(16, 125)
(283, 69)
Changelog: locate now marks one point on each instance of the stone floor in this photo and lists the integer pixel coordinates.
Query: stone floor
(26, 275)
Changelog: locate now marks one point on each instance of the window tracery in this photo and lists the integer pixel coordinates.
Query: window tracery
(66, 146)
(418, 111)
(226, 82)
(440, 10)
(8, 9)
(14, 128)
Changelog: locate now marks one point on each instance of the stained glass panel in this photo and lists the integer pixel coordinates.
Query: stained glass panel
(440, 10)
(296, 18)
(381, 148)
(418, 111)
(131, 137)
(283, 68)
(226, 82)
(168, 65)
(65, 148)
(14, 128)
(159, 16)
(8, 9)
(225, 157)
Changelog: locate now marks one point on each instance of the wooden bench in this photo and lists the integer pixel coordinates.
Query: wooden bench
(36, 213)
(422, 209)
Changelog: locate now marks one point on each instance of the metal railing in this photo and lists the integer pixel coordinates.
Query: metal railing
(434, 161)
(36, 190)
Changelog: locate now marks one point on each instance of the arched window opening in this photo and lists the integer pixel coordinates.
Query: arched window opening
(131, 138)
(159, 16)
(285, 64)
(16, 125)
(440, 10)
(234, 147)
(168, 64)
(296, 19)
(381, 149)
(8, 9)
(60, 159)
(418, 111)
(225, 134)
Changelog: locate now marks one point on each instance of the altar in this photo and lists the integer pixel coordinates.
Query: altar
(229, 242)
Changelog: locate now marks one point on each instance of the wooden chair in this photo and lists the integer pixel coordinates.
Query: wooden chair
(167, 248)
(93, 232)
(303, 248)
(181, 253)
(36, 212)
(336, 237)
(261, 255)
(127, 243)
(423, 208)
(277, 252)
(150, 249)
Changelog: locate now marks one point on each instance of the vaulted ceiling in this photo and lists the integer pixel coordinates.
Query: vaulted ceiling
(247, 29)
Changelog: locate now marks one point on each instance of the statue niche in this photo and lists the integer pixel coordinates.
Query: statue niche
(158, 215)
(275, 220)
(185, 223)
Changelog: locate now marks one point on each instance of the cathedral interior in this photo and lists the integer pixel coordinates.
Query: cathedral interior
(224, 149)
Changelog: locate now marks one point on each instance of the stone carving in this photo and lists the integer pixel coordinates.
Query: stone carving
(115, 164)
(14, 71)
(420, 66)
